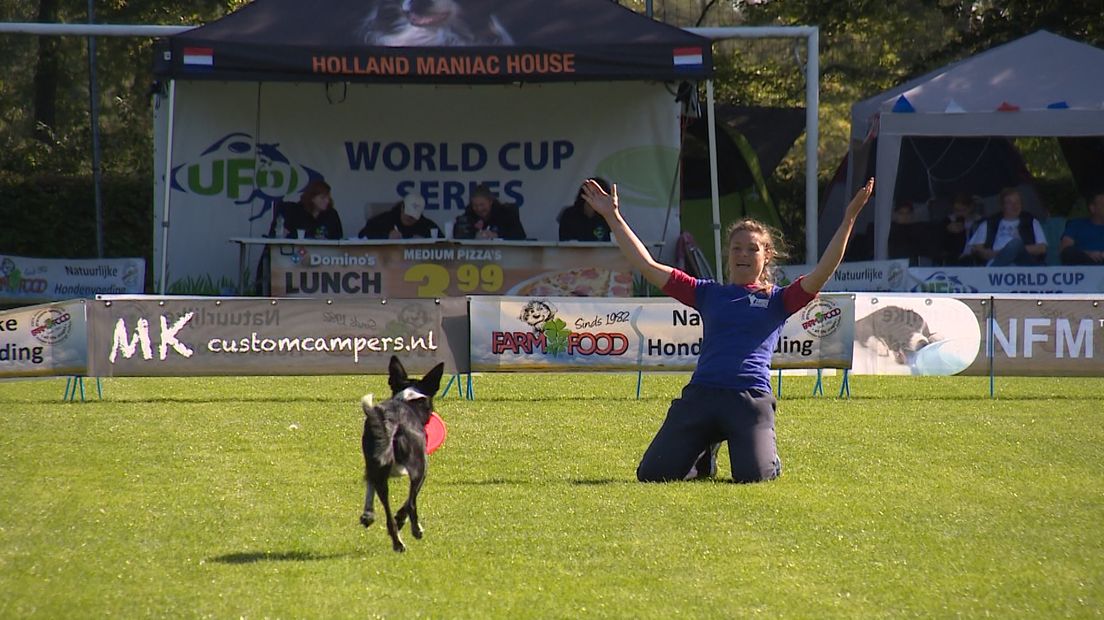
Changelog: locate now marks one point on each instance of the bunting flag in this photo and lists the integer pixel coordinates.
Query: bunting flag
(1058, 105)
(1007, 107)
(954, 108)
(902, 106)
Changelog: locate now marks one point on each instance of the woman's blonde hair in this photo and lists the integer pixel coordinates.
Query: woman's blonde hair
(773, 244)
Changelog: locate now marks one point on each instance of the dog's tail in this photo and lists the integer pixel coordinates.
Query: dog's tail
(382, 429)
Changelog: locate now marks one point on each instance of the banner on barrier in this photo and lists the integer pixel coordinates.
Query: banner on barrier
(411, 270)
(1030, 336)
(1001, 280)
(44, 341)
(877, 275)
(916, 335)
(1049, 337)
(32, 280)
(564, 333)
(172, 336)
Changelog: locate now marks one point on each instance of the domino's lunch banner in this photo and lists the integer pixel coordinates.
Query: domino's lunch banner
(172, 336)
(446, 269)
(33, 280)
(46, 340)
(564, 333)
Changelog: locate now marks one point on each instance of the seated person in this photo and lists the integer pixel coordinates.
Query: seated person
(1011, 237)
(956, 229)
(402, 221)
(487, 218)
(906, 235)
(1083, 239)
(314, 214)
(580, 222)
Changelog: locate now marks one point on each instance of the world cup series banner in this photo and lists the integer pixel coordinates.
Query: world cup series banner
(173, 336)
(44, 341)
(1053, 335)
(573, 333)
(240, 148)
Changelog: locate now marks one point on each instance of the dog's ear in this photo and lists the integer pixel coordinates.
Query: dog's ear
(397, 375)
(432, 381)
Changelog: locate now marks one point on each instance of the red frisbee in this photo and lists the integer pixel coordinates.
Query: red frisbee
(435, 432)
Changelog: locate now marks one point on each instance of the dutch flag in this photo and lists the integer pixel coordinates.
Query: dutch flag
(688, 57)
(199, 57)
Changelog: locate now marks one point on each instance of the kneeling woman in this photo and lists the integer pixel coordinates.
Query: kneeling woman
(729, 396)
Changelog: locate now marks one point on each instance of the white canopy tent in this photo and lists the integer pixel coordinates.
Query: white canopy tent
(1040, 85)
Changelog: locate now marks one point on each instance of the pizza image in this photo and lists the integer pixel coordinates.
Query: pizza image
(578, 282)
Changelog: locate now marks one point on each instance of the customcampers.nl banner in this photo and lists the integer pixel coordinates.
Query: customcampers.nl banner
(572, 333)
(29, 280)
(171, 336)
(44, 341)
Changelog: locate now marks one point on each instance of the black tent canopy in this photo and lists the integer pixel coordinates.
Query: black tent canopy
(473, 41)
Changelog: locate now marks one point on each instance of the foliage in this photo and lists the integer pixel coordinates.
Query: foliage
(865, 46)
(239, 497)
(53, 216)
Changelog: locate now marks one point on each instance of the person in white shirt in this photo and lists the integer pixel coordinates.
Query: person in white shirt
(1011, 237)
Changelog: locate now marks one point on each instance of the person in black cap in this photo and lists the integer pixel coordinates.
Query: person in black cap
(402, 221)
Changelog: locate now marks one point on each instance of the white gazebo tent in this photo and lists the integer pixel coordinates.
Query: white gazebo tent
(1039, 85)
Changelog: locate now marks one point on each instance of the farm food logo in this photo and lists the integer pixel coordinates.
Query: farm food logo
(821, 318)
(549, 335)
(129, 342)
(235, 167)
(13, 280)
(51, 325)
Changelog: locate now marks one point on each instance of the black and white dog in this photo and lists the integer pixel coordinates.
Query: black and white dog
(433, 23)
(394, 444)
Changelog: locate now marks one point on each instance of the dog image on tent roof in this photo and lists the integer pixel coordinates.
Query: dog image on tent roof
(430, 23)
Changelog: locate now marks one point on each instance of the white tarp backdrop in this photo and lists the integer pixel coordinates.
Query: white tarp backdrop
(240, 147)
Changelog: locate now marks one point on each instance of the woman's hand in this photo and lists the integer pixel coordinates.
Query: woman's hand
(603, 204)
(859, 201)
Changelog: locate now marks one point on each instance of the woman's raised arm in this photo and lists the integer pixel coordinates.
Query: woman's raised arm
(833, 254)
(609, 208)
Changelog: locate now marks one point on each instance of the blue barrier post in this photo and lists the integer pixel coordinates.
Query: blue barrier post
(818, 387)
(846, 385)
(76, 382)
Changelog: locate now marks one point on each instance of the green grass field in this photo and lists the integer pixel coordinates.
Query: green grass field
(239, 497)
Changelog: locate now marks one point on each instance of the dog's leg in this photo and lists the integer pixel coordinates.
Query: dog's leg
(392, 527)
(415, 487)
(368, 517)
(410, 508)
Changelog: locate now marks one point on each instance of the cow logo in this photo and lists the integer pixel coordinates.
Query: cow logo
(51, 325)
(821, 317)
(258, 175)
